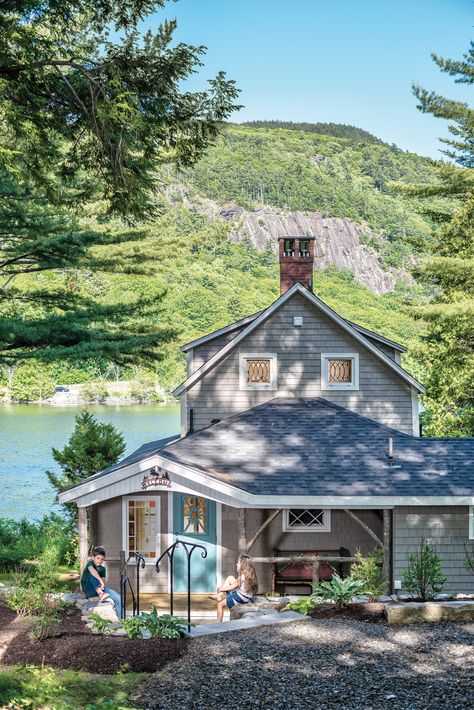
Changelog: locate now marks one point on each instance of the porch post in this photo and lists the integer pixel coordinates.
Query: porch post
(242, 531)
(83, 541)
(92, 516)
(387, 548)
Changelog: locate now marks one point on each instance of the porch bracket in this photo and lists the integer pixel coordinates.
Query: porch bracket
(364, 526)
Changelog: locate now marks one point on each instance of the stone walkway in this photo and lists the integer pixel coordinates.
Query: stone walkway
(316, 665)
(244, 623)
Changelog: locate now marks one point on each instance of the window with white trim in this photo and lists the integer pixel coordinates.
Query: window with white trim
(142, 526)
(258, 371)
(471, 522)
(339, 371)
(307, 519)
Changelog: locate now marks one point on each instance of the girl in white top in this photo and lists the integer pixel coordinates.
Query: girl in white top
(240, 590)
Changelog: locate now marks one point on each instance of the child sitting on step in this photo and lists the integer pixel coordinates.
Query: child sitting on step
(240, 590)
(93, 580)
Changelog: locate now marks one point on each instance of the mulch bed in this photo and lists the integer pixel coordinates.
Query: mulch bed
(76, 647)
(372, 612)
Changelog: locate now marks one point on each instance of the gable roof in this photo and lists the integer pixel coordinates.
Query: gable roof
(245, 321)
(328, 450)
(263, 315)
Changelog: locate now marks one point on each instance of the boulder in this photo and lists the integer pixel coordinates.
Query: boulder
(105, 611)
(253, 609)
(70, 598)
(417, 612)
(384, 598)
(360, 599)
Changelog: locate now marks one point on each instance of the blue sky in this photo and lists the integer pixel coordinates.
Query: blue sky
(340, 61)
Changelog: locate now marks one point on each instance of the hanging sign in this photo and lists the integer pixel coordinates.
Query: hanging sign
(156, 478)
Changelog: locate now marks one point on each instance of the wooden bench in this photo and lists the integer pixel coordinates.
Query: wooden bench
(301, 573)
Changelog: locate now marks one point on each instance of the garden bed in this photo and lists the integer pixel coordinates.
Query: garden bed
(77, 647)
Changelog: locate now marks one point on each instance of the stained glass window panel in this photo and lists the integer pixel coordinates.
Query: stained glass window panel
(340, 371)
(142, 528)
(195, 515)
(258, 371)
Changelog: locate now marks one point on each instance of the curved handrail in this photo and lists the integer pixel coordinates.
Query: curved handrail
(189, 548)
(124, 579)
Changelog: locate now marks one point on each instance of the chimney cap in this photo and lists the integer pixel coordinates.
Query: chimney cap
(298, 236)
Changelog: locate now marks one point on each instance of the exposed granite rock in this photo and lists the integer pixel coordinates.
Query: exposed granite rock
(416, 612)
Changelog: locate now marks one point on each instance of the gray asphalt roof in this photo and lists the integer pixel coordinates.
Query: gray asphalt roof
(146, 450)
(314, 447)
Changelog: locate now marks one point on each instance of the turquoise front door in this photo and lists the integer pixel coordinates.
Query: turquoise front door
(194, 520)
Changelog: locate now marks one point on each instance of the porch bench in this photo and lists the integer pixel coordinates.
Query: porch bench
(294, 573)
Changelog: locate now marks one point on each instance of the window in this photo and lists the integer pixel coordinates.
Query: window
(195, 515)
(258, 371)
(141, 526)
(339, 371)
(307, 519)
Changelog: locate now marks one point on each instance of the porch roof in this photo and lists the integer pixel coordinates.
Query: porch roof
(308, 447)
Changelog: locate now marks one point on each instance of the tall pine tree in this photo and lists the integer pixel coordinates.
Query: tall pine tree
(448, 266)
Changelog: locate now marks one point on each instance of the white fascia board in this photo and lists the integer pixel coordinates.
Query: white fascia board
(216, 333)
(345, 325)
(225, 493)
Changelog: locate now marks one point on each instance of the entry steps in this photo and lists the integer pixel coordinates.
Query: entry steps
(249, 623)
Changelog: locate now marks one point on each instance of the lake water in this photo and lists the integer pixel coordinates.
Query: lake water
(28, 432)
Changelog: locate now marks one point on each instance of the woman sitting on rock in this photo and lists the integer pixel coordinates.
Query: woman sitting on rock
(240, 590)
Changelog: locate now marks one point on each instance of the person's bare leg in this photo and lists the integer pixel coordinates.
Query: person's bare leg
(229, 584)
(221, 605)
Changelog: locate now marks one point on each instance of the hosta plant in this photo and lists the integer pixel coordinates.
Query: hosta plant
(340, 591)
(303, 605)
(164, 625)
(133, 626)
(102, 626)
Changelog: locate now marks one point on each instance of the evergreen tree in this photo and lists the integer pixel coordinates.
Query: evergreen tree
(448, 266)
(92, 446)
(83, 118)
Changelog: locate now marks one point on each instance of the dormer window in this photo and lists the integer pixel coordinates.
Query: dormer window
(258, 371)
(339, 371)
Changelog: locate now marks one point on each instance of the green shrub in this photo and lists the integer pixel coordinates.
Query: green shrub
(94, 392)
(164, 626)
(99, 624)
(303, 605)
(369, 571)
(32, 597)
(423, 576)
(339, 590)
(133, 626)
(11, 560)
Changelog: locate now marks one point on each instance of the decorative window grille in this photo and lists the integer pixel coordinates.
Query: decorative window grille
(340, 371)
(195, 515)
(258, 371)
(142, 527)
(301, 519)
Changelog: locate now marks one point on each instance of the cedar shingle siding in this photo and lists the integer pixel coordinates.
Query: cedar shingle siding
(382, 395)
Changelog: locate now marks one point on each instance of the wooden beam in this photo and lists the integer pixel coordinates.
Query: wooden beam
(242, 530)
(315, 573)
(364, 526)
(260, 530)
(387, 548)
(83, 540)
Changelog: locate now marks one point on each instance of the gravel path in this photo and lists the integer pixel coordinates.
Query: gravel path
(321, 664)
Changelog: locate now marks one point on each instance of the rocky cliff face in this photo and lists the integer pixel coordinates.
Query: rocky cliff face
(338, 242)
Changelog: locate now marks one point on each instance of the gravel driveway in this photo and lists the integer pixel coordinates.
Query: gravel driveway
(321, 664)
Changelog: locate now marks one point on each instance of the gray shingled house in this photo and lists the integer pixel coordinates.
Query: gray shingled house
(297, 424)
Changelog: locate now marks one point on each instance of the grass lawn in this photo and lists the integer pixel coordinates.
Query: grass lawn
(12, 577)
(33, 687)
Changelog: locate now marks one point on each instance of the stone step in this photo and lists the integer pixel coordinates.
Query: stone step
(246, 623)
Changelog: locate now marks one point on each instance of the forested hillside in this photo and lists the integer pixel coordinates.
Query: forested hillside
(210, 281)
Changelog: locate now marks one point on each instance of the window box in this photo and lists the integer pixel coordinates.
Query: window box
(258, 371)
(339, 371)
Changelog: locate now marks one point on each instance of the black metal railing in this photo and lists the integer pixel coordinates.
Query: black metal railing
(126, 585)
(188, 548)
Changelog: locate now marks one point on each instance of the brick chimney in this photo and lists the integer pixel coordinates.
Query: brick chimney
(296, 262)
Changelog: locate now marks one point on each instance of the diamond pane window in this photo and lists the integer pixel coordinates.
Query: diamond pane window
(195, 515)
(340, 371)
(142, 527)
(301, 519)
(258, 371)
